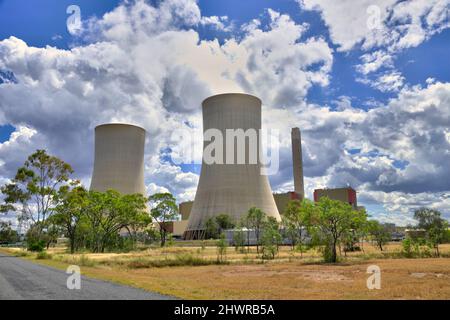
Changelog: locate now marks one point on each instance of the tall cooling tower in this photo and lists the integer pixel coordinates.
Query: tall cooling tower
(297, 162)
(230, 188)
(119, 159)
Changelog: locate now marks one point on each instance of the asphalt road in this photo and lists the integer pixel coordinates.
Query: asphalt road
(21, 279)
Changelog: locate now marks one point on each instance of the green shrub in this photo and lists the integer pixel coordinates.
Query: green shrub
(407, 248)
(239, 241)
(43, 255)
(416, 248)
(327, 253)
(170, 240)
(222, 246)
(36, 246)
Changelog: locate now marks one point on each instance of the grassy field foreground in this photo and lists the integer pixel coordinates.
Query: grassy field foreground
(245, 277)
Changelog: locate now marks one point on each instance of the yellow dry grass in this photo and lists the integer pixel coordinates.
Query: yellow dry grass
(288, 277)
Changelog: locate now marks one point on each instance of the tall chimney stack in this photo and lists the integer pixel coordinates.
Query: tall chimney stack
(297, 162)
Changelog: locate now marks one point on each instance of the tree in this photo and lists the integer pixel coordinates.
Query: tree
(95, 210)
(356, 230)
(51, 234)
(239, 240)
(214, 226)
(7, 234)
(435, 227)
(211, 229)
(34, 239)
(255, 220)
(137, 217)
(379, 233)
(109, 212)
(222, 246)
(34, 191)
(70, 212)
(332, 220)
(296, 219)
(164, 209)
(224, 222)
(271, 238)
(122, 211)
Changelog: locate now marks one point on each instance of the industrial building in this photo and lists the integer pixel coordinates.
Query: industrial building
(346, 194)
(119, 159)
(231, 188)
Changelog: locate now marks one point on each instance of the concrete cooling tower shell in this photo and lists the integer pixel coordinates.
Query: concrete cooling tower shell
(119, 159)
(230, 188)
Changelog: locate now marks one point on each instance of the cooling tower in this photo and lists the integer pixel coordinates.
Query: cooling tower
(119, 159)
(230, 188)
(297, 162)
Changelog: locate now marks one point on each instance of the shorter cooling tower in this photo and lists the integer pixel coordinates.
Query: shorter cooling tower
(230, 188)
(119, 159)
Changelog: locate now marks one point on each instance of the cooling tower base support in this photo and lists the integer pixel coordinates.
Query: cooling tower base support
(194, 235)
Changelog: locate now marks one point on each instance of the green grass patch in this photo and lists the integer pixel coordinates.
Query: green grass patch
(43, 256)
(179, 260)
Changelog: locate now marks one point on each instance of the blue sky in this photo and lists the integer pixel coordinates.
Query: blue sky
(375, 150)
(41, 25)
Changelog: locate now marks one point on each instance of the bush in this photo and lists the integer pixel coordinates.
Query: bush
(416, 248)
(221, 249)
(327, 253)
(239, 240)
(271, 239)
(407, 248)
(43, 255)
(269, 252)
(36, 246)
(170, 240)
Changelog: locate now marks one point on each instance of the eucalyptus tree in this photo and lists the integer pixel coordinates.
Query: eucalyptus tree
(35, 190)
(163, 209)
(435, 226)
(333, 220)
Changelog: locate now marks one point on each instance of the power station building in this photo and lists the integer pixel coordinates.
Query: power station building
(227, 185)
(281, 201)
(347, 195)
(230, 187)
(119, 159)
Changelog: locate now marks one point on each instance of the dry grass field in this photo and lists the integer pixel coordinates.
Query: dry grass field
(191, 273)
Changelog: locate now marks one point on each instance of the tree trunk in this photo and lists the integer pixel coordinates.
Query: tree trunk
(163, 237)
(334, 252)
(257, 241)
(72, 245)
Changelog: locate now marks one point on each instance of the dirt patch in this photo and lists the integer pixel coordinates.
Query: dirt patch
(323, 275)
(266, 271)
